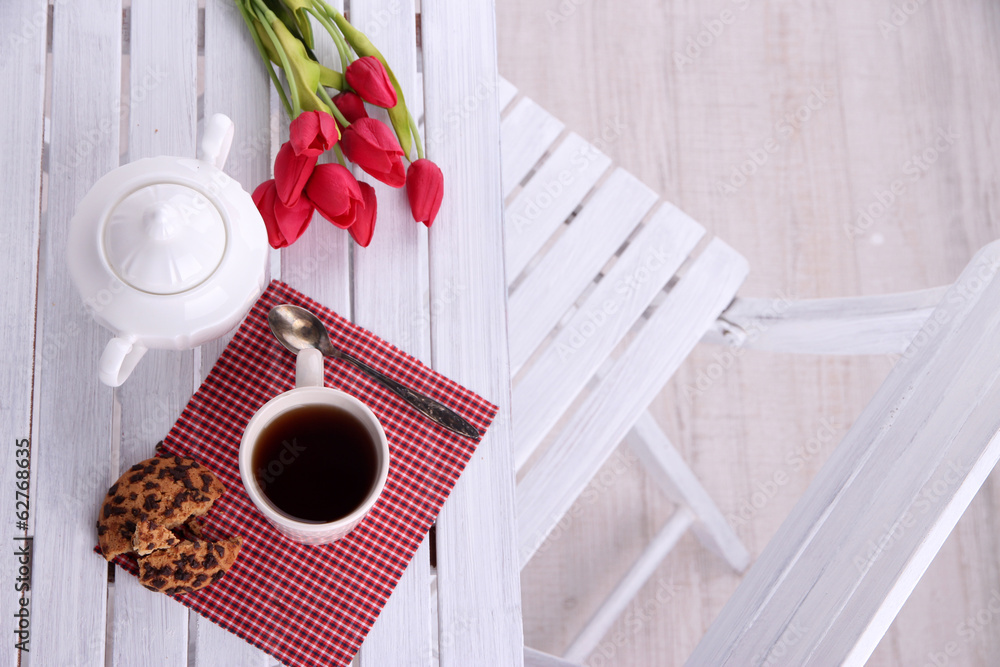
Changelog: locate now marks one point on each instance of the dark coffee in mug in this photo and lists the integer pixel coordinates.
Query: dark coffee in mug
(316, 463)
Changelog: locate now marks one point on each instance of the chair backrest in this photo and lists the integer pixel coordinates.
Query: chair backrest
(840, 567)
(589, 250)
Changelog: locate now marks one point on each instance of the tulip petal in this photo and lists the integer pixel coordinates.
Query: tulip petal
(372, 146)
(424, 190)
(284, 224)
(291, 172)
(312, 133)
(335, 193)
(368, 77)
(364, 223)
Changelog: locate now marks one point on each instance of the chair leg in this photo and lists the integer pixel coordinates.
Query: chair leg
(533, 658)
(651, 445)
(640, 572)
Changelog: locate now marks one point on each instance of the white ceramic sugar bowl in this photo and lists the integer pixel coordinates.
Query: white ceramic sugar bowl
(168, 252)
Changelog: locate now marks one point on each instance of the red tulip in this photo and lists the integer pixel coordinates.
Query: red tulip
(424, 190)
(335, 193)
(373, 147)
(352, 106)
(312, 133)
(364, 225)
(368, 77)
(291, 172)
(284, 224)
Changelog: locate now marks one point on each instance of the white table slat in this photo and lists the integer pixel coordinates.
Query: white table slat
(844, 562)
(396, 310)
(604, 418)
(506, 92)
(249, 162)
(526, 133)
(479, 607)
(574, 260)
(162, 120)
(548, 198)
(572, 357)
(319, 264)
(670, 471)
(23, 77)
(74, 410)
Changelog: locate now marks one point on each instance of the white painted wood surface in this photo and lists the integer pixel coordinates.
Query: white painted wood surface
(74, 411)
(479, 601)
(162, 120)
(547, 200)
(883, 324)
(249, 162)
(541, 300)
(106, 430)
(586, 340)
(533, 658)
(526, 132)
(397, 311)
(841, 566)
(596, 427)
(22, 75)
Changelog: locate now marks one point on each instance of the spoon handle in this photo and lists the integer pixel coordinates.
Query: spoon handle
(428, 407)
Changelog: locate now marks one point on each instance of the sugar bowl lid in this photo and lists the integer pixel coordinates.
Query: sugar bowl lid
(164, 238)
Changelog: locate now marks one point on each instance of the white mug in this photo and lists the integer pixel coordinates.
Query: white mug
(310, 390)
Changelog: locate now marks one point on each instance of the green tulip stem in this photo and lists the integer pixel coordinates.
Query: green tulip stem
(265, 15)
(245, 11)
(335, 35)
(340, 155)
(333, 107)
(416, 135)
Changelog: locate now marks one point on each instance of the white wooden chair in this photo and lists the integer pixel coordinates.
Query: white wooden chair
(586, 280)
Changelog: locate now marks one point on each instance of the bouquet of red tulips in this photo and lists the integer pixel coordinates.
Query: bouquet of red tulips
(282, 30)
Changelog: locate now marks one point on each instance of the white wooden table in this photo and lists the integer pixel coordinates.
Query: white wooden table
(97, 84)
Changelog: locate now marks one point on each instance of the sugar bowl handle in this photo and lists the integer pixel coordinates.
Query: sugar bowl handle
(119, 359)
(216, 140)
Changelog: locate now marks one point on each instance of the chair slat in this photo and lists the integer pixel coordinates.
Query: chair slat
(642, 569)
(572, 263)
(526, 133)
(72, 455)
(506, 92)
(581, 346)
(553, 192)
(548, 490)
(163, 120)
(533, 658)
(841, 566)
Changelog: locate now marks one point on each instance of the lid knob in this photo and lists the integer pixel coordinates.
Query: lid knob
(161, 221)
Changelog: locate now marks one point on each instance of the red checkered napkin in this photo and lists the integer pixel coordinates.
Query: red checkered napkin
(314, 605)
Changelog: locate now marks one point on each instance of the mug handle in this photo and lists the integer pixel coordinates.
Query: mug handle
(119, 360)
(309, 368)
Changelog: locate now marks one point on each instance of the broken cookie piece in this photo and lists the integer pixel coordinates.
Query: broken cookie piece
(159, 494)
(189, 566)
